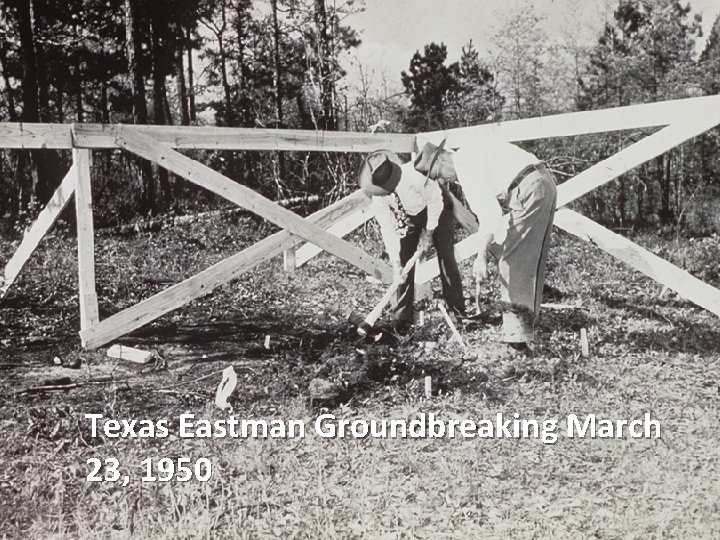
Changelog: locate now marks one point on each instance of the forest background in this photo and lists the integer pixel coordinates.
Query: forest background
(283, 64)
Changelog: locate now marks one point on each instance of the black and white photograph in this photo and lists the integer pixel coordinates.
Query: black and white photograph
(349, 269)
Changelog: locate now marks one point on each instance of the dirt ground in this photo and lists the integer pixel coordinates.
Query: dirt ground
(650, 352)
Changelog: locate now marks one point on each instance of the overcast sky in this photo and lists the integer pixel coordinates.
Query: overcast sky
(392, 30)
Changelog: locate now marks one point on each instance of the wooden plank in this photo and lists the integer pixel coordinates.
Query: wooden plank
(243, 196)
(209, 279)
(227, 138)
(130, 354)
(38, 230)
(657, 114)
(35, 135)
(86, 241)
(343, 227)
(58, 136)
(652, 146)
(651, 265)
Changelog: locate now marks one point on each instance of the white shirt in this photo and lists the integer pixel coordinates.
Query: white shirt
(485, 172)
(415, 194)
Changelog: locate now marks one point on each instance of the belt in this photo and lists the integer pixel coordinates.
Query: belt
(539, 167)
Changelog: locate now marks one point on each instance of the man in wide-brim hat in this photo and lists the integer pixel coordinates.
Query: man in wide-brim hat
(513, 195)
(411, 210)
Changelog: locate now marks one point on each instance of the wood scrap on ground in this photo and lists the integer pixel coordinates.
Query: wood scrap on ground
(130, 354)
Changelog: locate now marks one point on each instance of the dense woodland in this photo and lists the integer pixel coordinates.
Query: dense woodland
(280, 63)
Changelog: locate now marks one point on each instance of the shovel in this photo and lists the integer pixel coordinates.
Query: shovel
(367, 324)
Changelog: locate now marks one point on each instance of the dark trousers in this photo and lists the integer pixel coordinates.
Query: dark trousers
(444, 242)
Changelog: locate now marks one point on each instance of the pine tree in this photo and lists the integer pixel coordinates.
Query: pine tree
(429, 83)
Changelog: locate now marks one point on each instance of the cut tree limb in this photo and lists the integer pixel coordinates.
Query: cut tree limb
(343, 227)
(130, 354)
(644, 150)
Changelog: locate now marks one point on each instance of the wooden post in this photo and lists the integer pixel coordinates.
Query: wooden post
(86, 244)
(289, 260)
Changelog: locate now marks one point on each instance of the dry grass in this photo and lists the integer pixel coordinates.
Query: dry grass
(647, 354)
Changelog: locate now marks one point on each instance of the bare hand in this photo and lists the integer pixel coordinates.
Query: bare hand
(425, 238)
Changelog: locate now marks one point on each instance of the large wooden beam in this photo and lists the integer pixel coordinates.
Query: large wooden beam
(98, 136)
(243, 196)
(651, 265)
(38, 230)
(58, 136)
(206, 281)
(579, 123)
(35, 135)
(82, 160)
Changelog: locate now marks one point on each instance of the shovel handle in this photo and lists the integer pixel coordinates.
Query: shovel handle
(374, 315)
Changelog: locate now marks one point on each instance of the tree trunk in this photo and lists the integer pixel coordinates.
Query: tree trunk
(223, 66)
(78, 86)
(327, 120)
(181, 88)
(157, 28)
(662, 171)
(134, 56)
(640, 197)
(190, 82)
(241, 32)
(277, 83)
(30, 99)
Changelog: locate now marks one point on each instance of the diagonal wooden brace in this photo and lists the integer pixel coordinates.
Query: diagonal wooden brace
(209, 279)
(660, 270)
(146, 147)
(38, 230)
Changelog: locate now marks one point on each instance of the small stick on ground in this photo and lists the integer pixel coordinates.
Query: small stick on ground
(452, 326)
(428, 386)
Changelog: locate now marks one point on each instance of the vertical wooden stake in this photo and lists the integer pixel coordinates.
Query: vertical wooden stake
(86, 244)
(584, 345)
(289, 263)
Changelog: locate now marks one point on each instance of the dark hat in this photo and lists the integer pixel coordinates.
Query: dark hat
(379, 173)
